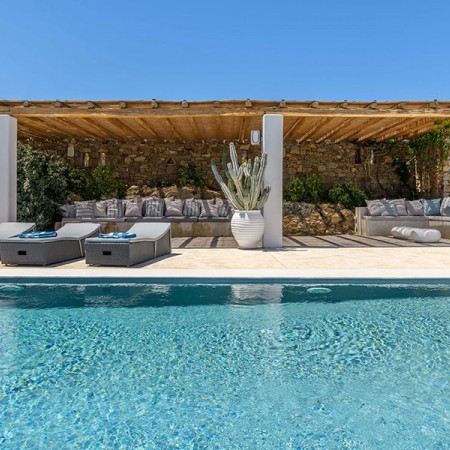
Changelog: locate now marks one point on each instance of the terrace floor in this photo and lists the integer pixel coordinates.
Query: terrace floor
(302, 257)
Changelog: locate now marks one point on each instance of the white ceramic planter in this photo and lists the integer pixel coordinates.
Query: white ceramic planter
(247, 228)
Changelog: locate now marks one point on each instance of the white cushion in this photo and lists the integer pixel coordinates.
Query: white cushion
(426, 235)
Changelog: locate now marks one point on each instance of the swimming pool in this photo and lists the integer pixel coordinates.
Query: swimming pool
(224, 366)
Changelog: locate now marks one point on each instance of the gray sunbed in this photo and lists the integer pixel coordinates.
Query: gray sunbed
(152, 240)
(67, 245)
(11, 229)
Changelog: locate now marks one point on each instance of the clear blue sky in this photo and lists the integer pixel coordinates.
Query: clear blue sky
(230, 49)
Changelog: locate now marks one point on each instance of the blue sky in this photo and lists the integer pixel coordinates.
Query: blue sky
(207, 50)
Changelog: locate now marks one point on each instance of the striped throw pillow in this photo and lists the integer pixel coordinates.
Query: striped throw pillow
(115, 208)
(154, 207)
(209, 208)
(85, 210)
(223, 208)
(191, 208)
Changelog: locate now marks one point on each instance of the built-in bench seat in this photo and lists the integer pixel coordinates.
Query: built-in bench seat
(367, 225)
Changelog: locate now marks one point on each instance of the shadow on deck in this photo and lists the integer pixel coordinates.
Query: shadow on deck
(339, 241)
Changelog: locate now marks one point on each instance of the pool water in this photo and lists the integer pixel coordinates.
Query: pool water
(224, 366)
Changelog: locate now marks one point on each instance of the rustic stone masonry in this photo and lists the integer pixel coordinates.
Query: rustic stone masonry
(151, 163)
(323, 219)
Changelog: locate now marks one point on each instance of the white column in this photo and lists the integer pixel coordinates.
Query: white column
(8, 168)
(272, 144)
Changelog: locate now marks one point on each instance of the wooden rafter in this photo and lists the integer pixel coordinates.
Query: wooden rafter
(319, 124)
(100, 128)
(291, 130)
(385, 127)
(124, 127)
(407, 129)
(172, 128)
(148, 129)
(334, 130)
(243, 128)
(49, 128)
(194, 127)
(353, 130)
(66, 125)
(218, 127)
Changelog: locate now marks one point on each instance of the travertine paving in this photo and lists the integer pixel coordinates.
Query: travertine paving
(303, 256)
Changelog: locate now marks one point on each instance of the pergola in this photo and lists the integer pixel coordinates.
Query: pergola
(223, 120)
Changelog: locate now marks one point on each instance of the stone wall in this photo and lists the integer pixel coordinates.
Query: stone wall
(150, 163)
(303, 219)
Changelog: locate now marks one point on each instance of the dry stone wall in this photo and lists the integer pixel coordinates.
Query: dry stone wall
(151, 163)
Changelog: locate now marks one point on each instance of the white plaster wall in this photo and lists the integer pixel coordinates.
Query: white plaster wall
(272, 144)
(8, 168)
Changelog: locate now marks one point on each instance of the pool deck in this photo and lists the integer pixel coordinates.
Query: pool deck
(301, 258)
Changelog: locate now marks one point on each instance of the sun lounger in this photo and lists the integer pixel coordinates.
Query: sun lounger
(11, 229)
(67, 245)
(152, 240)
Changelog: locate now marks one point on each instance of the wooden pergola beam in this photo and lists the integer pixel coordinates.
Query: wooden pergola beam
(243, 128)
(148, 129)
(194, 127)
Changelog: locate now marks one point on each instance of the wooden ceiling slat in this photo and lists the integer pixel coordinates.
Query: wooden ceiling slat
(291, 130)
(243, 128)
(148, 129)
(349, 133)
(50, 130)
(66, 125)
(171, 127)
(319, 124)
(93, 123)
(382, 129)
(407, 129)
(130, 133)
(329, 134)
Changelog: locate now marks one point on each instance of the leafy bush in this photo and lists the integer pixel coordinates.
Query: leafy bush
(308, 190)
(95, 183)
(347, 194)
(190, 175)
(41, 185)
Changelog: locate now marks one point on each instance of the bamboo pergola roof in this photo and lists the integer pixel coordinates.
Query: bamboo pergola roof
(223, 120)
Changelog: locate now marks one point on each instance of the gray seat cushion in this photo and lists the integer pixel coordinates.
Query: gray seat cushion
(397, 219)
(439, 218)
(214, 219)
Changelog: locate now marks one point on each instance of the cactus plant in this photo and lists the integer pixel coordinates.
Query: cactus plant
(244, 189)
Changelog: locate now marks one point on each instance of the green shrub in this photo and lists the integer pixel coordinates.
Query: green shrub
(347, 194)
(308, 190)
(41, 185)
(95, 183)
(190, 175)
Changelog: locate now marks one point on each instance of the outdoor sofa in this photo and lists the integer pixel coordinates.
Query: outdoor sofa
(67, 245)
(188, 217)
(376, 220)
(151, 240)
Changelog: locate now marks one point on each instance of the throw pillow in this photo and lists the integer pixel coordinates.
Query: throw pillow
(101, 208)
(68, 211)
(133, 207)
(191, 208)
(223, 208)
(174, 207)
(414, 207)
(445, 206)
(432, 207)
(154, 207)
(115, 208)
(208, 208)
(374, 207)
(388, 209)
(400, 205)
(85, 210)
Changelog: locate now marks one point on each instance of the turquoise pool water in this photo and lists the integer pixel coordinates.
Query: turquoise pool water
(224, 366)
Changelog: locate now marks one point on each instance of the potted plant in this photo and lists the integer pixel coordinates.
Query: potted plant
(247, 195)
